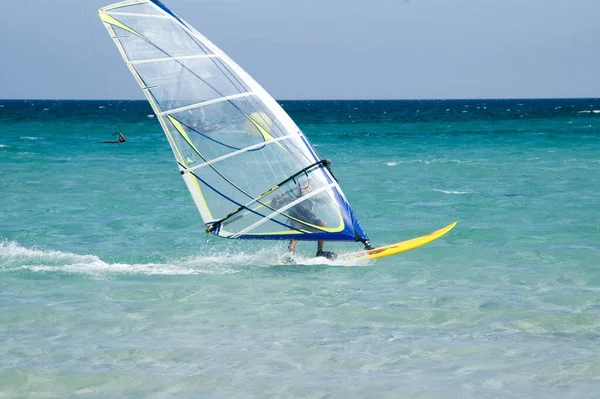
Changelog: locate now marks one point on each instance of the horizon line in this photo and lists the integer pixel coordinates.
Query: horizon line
(330, 99)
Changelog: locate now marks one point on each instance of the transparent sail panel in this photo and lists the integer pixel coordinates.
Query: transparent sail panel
(156, 38)
(180, 83)
(228, 127)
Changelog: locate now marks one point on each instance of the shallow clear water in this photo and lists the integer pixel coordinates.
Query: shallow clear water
(109, 286)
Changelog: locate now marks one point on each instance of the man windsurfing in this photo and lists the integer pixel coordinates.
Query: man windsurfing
(120, 140)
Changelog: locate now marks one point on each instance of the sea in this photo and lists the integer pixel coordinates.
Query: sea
(110, 288)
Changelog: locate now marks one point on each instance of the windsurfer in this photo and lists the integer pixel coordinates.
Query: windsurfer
(121, 137)
(120, 140)
(302, 215)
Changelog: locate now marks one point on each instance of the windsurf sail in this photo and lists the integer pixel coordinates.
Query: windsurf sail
(250, 170)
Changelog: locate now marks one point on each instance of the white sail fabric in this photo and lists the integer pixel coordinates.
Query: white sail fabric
(251, 172)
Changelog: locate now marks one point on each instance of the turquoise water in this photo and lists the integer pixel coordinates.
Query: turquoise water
(109, 286)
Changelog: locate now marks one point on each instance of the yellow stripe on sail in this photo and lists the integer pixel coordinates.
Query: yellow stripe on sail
(195, 181)
(173, 143)
(181, 131)
(260, 121)
(111, 21)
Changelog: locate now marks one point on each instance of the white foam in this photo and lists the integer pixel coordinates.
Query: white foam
(427, 162)
(15, 258)
(150, 116)
(3, 146)
(30, 138)
(596, 111)
(343, 260)
(451, 192)
(10, 250)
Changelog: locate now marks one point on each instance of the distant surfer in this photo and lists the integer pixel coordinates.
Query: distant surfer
(305, 212)
(120, 140)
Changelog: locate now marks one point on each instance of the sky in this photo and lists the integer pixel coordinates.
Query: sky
(325, 49)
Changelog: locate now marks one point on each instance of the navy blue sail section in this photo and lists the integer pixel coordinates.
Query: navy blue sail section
(165, 9)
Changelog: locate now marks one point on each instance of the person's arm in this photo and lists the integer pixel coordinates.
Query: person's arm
(276, 200)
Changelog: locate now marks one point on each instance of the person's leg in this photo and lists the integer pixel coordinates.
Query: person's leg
(320, 252)
(320, 243)
(292, 246)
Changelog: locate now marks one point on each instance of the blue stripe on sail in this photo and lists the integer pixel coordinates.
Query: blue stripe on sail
(209, 138)
(312, 151)
(345, 235)
(165, 9)
(359, 233)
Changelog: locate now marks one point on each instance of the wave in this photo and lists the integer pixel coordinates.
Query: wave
(451, 192)
(429, 162)
(15, 258)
